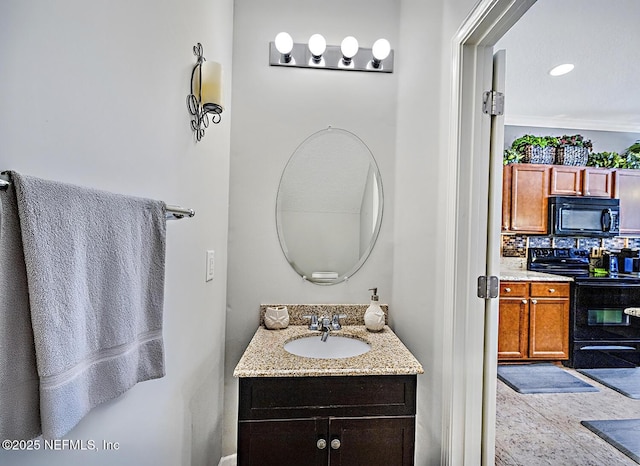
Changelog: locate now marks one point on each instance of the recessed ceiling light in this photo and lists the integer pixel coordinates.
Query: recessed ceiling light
(561, 69)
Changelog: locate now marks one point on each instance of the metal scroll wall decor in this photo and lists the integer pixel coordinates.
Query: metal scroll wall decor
(206, 93)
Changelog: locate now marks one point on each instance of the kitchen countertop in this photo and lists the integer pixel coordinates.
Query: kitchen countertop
(266, 357)
(515, 269)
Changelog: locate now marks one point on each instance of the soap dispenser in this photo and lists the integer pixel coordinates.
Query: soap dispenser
(374, 316)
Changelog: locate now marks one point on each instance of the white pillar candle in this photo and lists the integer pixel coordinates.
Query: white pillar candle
(211, 83)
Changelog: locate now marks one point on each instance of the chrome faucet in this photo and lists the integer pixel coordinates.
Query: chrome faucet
(326, 328)
(324, 324)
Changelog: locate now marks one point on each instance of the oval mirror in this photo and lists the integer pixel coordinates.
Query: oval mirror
(329, 206)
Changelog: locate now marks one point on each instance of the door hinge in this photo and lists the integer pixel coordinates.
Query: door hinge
(493, 103)
(488, 287)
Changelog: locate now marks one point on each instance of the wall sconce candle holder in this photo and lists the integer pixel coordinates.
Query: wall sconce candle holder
(317, 54)
(206, 93)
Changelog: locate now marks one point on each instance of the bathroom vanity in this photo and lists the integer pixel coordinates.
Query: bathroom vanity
(296, 410)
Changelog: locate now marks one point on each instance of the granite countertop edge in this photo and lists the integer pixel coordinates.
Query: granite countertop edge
(515, 269)
(265, 355)
(528, 275)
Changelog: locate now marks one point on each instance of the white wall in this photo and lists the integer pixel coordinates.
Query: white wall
(404, 118)
(275, 109)
(93, 93)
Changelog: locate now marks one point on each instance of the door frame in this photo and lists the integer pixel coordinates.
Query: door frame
(469, 391)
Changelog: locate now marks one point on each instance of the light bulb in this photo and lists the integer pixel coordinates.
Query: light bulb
(284, 43)
(349, 48)
(381, 49)
(317, 46)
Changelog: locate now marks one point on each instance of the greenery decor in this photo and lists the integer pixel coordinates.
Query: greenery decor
(522, 142)
(633, 156)
(606, 160)
(633, 160)
(511, 156)
(576, 140)
(535, 149)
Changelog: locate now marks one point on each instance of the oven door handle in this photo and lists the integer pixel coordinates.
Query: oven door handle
(605, 219)
(632, 311)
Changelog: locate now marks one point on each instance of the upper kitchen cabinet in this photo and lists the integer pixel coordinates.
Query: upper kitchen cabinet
(524, 201)
(627, 189)
(580, 181)
(526, 189)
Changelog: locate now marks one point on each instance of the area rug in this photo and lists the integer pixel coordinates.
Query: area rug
(624, 434)
(541, 378)
(623, 380)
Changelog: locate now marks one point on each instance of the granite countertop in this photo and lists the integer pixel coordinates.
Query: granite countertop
(266, 357)
(515, 269)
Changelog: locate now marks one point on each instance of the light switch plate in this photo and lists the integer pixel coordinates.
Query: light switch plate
(210, 265)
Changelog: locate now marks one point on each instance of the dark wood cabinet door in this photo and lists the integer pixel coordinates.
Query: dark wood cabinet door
(290, 442)
(513, 328)
(627, 189)
(382, 441)
(529, 198)
(548, 328)
(565, 181)
(597, 182)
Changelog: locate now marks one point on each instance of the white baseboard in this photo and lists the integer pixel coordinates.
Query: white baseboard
(228, 460)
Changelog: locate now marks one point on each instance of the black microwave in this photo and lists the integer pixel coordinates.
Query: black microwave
(584, 216)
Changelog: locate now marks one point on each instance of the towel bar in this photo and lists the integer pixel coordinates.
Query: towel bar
(174, 212)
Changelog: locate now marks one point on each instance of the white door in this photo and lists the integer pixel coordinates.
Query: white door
(493, 267)
(469, 402)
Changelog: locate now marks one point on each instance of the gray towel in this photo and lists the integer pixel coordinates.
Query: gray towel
(95, 272)
(19, 397)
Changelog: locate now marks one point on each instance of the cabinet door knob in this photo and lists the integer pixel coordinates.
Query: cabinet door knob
(524, 301)
(534, 301)
(321, 444)
(335, 444)
(508, 290)
(552, 290)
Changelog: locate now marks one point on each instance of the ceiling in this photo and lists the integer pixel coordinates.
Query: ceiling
(602, 39)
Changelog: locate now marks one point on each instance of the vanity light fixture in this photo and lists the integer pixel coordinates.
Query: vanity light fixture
(206, 93)
(348, 56)
(561, 69)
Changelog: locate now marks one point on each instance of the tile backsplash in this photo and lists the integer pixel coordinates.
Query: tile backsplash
(516, 245)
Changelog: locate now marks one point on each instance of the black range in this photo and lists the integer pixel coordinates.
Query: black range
(601, 334)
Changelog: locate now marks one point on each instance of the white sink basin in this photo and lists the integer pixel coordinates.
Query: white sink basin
(335, 347)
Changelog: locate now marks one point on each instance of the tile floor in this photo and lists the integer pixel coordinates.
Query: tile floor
(545, 429)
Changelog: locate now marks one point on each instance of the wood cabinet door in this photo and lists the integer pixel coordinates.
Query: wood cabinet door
(371, 441)
(513, 328)
(597, 182)
(283, 442)
(529, 188)
(548, 328)
(627, 189)
(565, 181)
(506, 198)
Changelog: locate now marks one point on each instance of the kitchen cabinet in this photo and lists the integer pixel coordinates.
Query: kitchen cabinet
(526, 189)
(525, 194)
(598, 182)
(627, 189)
(337, 420)
(533, 321)
(580, 181)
